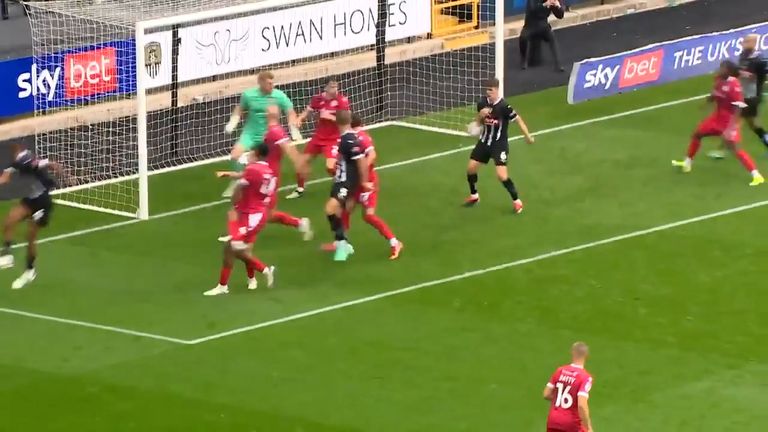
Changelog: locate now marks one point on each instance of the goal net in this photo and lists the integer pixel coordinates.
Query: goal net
(145, 87)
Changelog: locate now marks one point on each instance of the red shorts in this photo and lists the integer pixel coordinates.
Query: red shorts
(729, 130)
(324, 146)
(249, 226)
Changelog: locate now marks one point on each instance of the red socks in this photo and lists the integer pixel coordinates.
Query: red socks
(380, 226)
(746, 160)
(257, 265)
(694, 146)
(224, 275)
(285, 219)
(250, 270)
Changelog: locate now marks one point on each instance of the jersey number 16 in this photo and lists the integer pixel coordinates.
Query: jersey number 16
(564, 399)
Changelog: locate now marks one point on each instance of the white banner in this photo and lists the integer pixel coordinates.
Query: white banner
(157, 59)
(274, 37)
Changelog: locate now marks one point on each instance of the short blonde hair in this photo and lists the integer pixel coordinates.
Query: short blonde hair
(266, 75)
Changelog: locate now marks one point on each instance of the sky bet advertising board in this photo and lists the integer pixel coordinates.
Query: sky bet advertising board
(66, 78)
(658, 63)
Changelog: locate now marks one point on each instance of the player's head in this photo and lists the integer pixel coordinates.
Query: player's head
(332, 88)
(343, 119)
(357, 121)
(261, 152)
(273, 114)
(492, 88)
(750, 42)
(266, 81)
(728, 69)
(579, 352)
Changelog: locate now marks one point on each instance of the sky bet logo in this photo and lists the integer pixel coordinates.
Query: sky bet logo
(635, 70)
(85, 74)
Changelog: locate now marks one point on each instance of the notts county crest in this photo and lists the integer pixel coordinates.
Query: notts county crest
(153, 56)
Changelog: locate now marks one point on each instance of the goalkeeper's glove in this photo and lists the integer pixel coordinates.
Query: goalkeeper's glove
(232, 125)
(295, 133)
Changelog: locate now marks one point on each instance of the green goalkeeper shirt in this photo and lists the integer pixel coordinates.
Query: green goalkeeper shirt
(255, 103)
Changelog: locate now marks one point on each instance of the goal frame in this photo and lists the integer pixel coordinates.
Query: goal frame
(142, 88)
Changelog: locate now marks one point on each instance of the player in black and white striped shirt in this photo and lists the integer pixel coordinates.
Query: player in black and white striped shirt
(35, 206)
(493, 116)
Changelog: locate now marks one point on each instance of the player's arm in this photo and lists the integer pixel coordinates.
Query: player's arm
(549, 392)
(286, 106)
(513, 115)
(370, 155)
(362, 165)
(304, 115)
(237, 113)
(229, 174)
(5, 177)
(586, 421)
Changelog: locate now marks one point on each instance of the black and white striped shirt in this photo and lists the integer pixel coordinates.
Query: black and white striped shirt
(28, 165)
(496, 125)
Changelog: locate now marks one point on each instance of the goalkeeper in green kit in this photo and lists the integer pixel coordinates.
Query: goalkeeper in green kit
(254, 102)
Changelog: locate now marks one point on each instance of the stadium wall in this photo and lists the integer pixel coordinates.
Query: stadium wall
(577, 42)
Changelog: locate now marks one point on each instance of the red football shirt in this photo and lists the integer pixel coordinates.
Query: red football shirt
(569, 382)
(259, 185)
(327, 129)
(366, 142)
(274, 139)
(728, 97)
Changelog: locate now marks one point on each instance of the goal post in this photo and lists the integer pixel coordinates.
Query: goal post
(178, 69)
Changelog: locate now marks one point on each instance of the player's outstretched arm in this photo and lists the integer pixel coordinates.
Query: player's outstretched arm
(229, 174)
(524, 128)
(584, 413)
(234, 119)
(304, 116)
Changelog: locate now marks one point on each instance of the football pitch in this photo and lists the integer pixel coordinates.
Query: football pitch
(661, 273)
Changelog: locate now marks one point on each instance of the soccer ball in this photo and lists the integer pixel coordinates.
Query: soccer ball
(474, 129)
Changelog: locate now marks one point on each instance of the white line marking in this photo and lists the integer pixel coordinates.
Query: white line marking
(476, 273)
(96, 326)
(388, 166)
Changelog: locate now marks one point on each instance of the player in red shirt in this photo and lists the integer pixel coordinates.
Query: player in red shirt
(326, 134)
(279, 144)
(251, 201)
(368, 200)
(568, 393)
(724, 122)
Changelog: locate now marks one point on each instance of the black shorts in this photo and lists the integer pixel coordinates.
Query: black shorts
(752, 108)
(498, 151)
(40, 208)
(341, 192)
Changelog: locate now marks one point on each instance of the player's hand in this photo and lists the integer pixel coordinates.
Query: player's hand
(485, 111)
(530, 139)
(368, 186)
(220, 174)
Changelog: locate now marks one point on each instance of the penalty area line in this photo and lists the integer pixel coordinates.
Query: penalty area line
(479, 272)
(382, 167)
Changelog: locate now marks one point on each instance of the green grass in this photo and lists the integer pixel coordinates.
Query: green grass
(675, 318)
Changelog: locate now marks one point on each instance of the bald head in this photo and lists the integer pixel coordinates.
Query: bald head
(273, 114)
(579, 352)
(750, 42)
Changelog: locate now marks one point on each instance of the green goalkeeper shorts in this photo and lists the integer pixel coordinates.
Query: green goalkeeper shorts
(251, 139)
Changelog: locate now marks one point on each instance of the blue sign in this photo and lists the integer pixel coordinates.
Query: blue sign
(658, 63)
(67, 78)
